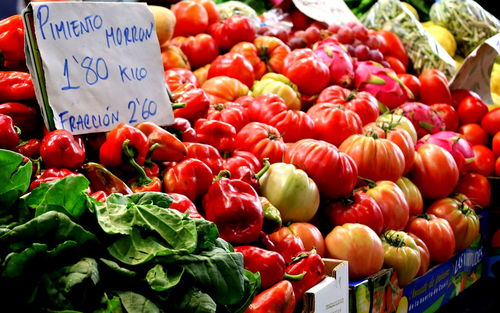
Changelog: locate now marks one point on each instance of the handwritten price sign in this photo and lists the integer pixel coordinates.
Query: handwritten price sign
(101, 65)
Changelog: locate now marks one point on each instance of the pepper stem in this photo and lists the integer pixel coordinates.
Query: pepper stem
(370, 182)
(264, 169)
(178, 105)
(294, 277)
(143, 179)
(223, 173)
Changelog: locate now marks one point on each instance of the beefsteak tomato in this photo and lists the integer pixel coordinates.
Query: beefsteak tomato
(232, 65)
(262, 140)
(401, 253)
(476, 187)
(306, 70)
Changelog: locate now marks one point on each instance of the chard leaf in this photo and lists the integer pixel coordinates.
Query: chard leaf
(15, 178)
(161, 278)
(195, 301)
(136, 303)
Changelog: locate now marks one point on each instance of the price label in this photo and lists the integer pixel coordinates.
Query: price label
(327, 11)
(100, 65)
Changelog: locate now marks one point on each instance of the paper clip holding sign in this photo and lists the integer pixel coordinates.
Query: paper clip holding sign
(475, 72)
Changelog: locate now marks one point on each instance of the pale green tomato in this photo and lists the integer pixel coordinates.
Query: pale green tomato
(401, 253)
(279, 85)
(291, 191)
(398, 120)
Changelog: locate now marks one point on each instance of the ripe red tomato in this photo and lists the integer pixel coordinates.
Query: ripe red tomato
(306, 70)
(249, 52)
(474, 134)
(222, 89)
(177, 77)
(392, 202)
(471, 110)
(191, 18)
(476, 187)
(495, 144)
(272, 51)
(232, 65)
(322, 161)
(359, 245)
(173, 57)
(497, 167)
(357, 208)
(396, 65)
(395, 47)
(334, 123)
(425, 257)
(434, 87)
(200, 50)
(234, 29)
(412, 82)
(211, 8)
(412, 195)
(484, 161)
(463, 220)
(377, 159)
(491, 121)
(230, 112)
(436, 233)
(435, 172)
(362, 103)
(309, 234)
(262, 140)
(458, 95)
(293, 125)
(448, 114)
(265, 107)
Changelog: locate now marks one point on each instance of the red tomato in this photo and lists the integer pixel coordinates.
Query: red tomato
(491, 121)
(265, 107)
(293, 125)
(272, 51)
(394, 45)
(397, 66)
(471, 110)
(309, 234)
(322, 161)
(435, 172)
(362, 103)
(448, 114)
(222, 89)
(358, 208)
(262, 140)
(173, 57)
(463, 220)
(359, 245)
(412, 195)
(476, 187)
(177, 77)
(458, 95)
(200, 50)
(191, 18)
(249, 52)
(495, 144)
(392, 202)
(497, 167)
(412, 82)
(434, 87)
(474, 134)
(232, 30)
(425, 258)
(436, 233)
(334, 123)
(232, 65)
(211, 8)
(484, 161)
(230, 112)
(306, 70)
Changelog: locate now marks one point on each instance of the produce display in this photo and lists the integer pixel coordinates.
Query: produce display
(293, 141)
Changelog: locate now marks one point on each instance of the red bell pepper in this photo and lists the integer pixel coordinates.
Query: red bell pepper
(205, 153)
(269, 264)
(182, 204)
(190, 177)
(24, 116)
(102, 179)
(99, 195)
(315, 268)
(9, 138)
(60, 148)
(166, 146)
(242, 165)
(153, 185)
(151, 168)
(182, 129)
(216, 133)
(277, 299)
(30, 148)
(15, 86)
(196, 100)
(289, 247)
(235, 208)
(249, 159)
(120, 142)
(12, 41)
(50, 175)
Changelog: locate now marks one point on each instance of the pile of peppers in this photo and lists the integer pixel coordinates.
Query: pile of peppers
(194, 160)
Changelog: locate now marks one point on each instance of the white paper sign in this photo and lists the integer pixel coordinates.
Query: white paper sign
(475, 72)
(327, 11)
(102, 65)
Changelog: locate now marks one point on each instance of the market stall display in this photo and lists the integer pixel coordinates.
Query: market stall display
(295, 146)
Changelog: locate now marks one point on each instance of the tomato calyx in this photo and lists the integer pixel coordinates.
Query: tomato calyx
(351, 95)
(370, 182)
(424, 216)
(222, 174)
(394, 240)
(219, 106)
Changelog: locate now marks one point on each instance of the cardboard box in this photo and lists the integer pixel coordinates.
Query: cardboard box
(331, 294)
(360, 296)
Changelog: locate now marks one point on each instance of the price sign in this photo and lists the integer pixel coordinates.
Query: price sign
(327, 11)
(99, 65)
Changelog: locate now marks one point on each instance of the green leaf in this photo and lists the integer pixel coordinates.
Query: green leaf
(15, 178)
(195, 301)
(67, 195)
(252, 287)
(113, 305)
(114, 267)
(136, 303)
(161, 278)
(157, 198)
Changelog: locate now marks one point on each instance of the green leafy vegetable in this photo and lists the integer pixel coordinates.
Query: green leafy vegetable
(136, 303)
(14, 178)
(196, 301)
(161, 278)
